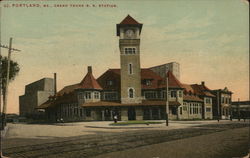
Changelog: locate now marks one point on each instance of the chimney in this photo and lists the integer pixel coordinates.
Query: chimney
(89, 69)
(203, 83)
(55, 91)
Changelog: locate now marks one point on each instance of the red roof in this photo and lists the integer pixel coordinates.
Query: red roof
(187, 97)
(173, 82)
(115, 76)
(129, 20)
(110, 75)
(89, 82)
(188, 88)
(202, 90)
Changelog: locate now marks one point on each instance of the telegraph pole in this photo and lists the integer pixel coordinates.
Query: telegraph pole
(6, 90)
(167, 103)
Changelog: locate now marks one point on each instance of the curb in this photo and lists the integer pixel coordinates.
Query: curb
(119, 127)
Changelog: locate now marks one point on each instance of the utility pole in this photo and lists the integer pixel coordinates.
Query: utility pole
(167, 102)
(218, 106)
(6, 89)
(238, 109)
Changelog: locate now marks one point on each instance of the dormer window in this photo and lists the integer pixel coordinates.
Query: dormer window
(129, 50)
(148, 82)
(110, 82)
(173, 94)
(97, 95)
(87, 95)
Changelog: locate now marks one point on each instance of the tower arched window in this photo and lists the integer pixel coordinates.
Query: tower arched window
(131, 93)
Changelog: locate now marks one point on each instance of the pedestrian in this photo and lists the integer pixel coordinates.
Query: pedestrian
(61, 120)
(115, 118)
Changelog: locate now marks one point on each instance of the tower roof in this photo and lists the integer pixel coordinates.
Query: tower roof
(89, 82)
(128, 22)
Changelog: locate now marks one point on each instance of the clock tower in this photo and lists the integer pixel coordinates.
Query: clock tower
(129, 31)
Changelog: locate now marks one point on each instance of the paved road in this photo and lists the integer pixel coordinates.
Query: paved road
(103, 143)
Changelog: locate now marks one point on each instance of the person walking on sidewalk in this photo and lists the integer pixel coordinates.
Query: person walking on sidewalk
(115, 118)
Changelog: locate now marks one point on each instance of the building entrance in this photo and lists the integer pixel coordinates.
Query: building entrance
(131, 113)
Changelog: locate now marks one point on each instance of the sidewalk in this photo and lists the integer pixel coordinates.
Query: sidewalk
(3, 132)
(44, 131)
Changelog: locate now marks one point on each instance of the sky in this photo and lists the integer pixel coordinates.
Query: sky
(208, 38)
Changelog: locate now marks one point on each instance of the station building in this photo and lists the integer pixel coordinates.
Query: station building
(131, 92)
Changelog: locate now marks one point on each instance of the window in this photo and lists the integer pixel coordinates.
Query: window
(129, 50)
(147, 82)
(163, 94)
(81, 95)
(222, 99)
(110, 95)
(110, 82)
(208, 109)
(209, 100)
(81, 112)
(131, 93)
(173, 94)
(184, 108)
(180, 94)
(130, 68)
(88, 112)
(97, 95)
(75, 110)
(180, 110)
(190, 108)
(87, 95)
(150, 95)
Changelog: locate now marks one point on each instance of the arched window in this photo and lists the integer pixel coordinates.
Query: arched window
(131, 93)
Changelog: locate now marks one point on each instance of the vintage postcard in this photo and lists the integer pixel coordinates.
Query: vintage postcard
(124, 78)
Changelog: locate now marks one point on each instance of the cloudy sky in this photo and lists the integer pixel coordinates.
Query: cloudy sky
(209, 38)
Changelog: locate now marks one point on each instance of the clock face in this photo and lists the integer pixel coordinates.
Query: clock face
(129, 33)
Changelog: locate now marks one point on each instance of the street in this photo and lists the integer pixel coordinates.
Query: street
(193, 139)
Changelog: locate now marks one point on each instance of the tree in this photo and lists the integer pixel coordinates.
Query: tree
(14, 69)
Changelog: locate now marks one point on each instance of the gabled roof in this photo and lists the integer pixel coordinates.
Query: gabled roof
(188, 88)
(67, 89)
(173, 82)
(202, 90)
(114, 75)
(129, 20)
(110, 75)
(188, 97)
(53, 101)
(225, 90)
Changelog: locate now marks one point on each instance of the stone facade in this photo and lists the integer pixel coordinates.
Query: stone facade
(222, 103)
(132, 92)
(162, 70)
(130, 65)
(36, 94)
